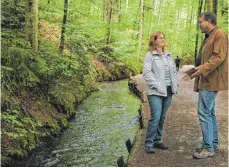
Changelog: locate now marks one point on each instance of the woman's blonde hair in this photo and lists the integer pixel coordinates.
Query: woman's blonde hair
(152, 41)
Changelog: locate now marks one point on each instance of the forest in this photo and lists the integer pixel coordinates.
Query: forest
(56, 52)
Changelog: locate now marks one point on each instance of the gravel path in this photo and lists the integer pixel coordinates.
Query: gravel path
(182, 131)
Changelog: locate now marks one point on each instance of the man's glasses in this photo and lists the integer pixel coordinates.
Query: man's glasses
(203, 21)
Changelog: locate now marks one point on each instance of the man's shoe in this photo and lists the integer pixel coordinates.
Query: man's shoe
(203, 154)
(198, 149)
(216, 149)
(160, 146)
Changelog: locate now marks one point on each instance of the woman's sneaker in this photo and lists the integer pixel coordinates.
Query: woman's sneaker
(160, 146)
(149, 150)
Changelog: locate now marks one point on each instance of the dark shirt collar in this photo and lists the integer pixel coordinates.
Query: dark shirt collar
(207, 35)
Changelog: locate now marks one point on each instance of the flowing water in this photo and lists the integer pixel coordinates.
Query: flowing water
(97, 135)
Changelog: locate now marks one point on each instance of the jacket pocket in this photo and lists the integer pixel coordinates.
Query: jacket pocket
(161, 88)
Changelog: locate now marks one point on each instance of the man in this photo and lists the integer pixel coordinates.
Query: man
(211, 76)
(177, 61)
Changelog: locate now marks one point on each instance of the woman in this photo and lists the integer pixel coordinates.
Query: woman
(161, 77)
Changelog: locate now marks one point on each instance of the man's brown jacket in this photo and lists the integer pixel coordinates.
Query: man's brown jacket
(214, 63)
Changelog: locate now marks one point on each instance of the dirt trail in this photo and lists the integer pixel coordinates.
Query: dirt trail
(182, 132)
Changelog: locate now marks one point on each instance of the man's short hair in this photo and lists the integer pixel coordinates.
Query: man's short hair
(209, 16)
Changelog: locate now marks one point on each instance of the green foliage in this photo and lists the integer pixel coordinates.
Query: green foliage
(18, 65)
(19, 134)
(46, 11)
(223, 15)
(12, 15)
(78, 85)
(21, 68)
(126, 53)
(79, 43)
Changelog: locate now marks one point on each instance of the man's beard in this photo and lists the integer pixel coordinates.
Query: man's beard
(203, 31)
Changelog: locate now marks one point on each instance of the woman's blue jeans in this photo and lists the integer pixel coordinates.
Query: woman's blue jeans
(207, 118)
(159, 106)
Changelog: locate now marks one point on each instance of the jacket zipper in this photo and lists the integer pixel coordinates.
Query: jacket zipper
(164, 78)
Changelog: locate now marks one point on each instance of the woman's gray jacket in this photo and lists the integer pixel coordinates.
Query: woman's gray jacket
(154, 74)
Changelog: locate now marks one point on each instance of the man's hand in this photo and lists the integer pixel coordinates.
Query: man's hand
(196, 74)
(191, 73)
(186, 77)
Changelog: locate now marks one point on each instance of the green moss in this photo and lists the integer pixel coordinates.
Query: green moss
(64, 122)
(17, 152)
(4, 159)
(136, 142)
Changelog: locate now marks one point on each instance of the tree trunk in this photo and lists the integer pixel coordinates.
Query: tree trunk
(127, 3)
(141, 27)
(187, 19)
(177, 23)
(159, 12)
(115, 11)
(150, 22)
(107, 18)
(191, 18)
(214, 6)
(208, 2)
(31, 23)
(126, 8)
(48, 1)
(108, 34)
(62, 38)
(136, 20)
(190, 22)
(224, 9)
(205, 6)
(197, 27)
(107, 10)
(104, 9)
(120, 9)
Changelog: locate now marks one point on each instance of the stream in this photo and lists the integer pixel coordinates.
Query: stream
(97, 134)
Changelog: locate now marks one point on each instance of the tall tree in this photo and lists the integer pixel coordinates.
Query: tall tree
(159, 12)
(62, 38)
(120, 9)
(141, 27)
(208, 3)
(197, 26)
(115, 16)
(177, 23)
(107, 18)
(31, 22)
(127, 4)
(151, 16)
(107, 10)
(191, 18)
(136, 21)
(214, 6)
(221, 3)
